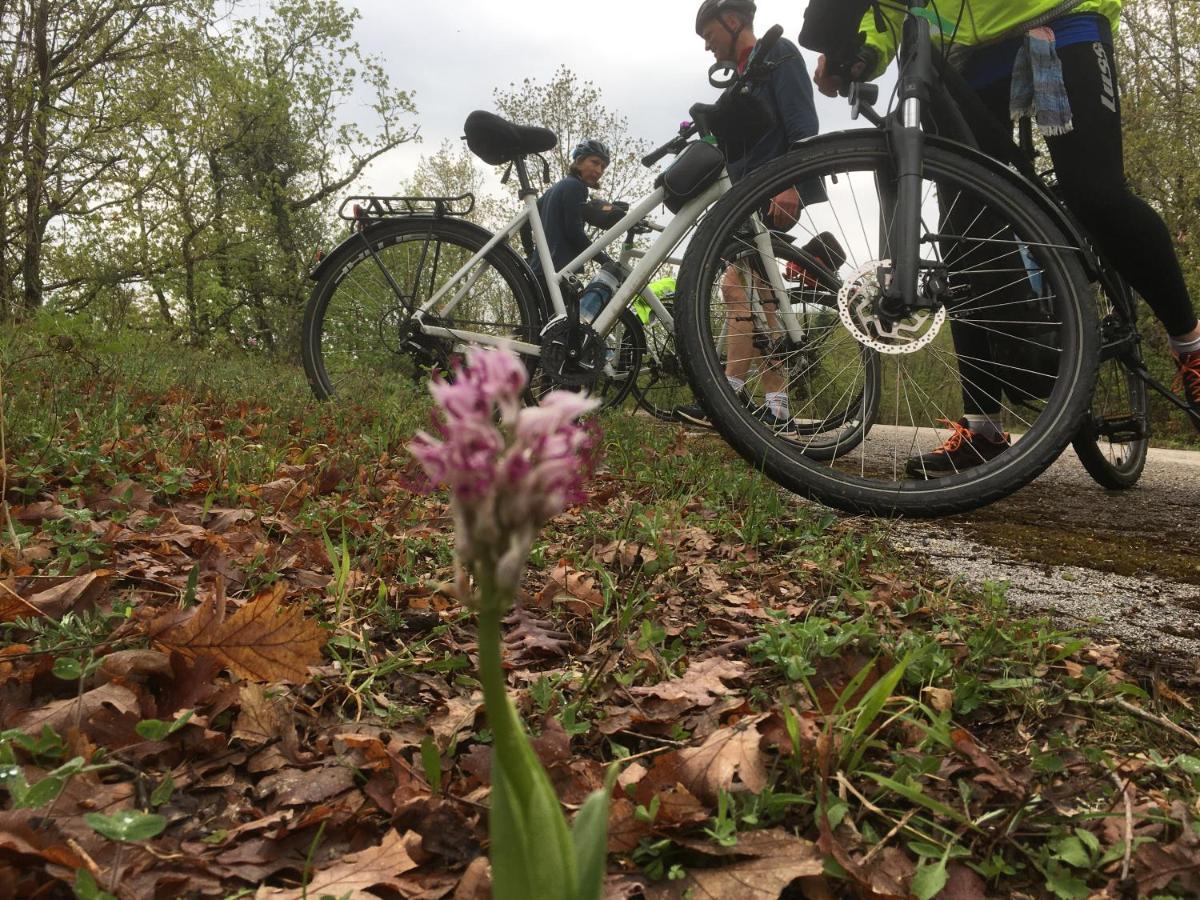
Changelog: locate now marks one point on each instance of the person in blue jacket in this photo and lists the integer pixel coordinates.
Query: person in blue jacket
(780, 114)
(562, 206)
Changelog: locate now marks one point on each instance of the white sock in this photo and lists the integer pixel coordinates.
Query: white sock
(1185, 346)
(736, 383)
(777, 403)
(985, 426)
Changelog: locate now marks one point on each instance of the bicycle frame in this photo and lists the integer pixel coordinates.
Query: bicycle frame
(648, 262)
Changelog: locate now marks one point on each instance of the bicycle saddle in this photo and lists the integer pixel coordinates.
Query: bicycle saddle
(497, 141)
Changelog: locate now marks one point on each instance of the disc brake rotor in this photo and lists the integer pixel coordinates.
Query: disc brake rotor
(857, 310)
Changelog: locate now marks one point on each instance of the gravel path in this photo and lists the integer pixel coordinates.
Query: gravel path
(1122, 565)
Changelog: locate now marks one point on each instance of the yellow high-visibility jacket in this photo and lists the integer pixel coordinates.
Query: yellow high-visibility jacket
(978, 22)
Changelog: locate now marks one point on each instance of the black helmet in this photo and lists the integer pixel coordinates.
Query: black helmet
(710, 9)
(591, 148)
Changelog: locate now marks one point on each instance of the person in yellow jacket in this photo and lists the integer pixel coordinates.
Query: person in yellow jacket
(1053, 59)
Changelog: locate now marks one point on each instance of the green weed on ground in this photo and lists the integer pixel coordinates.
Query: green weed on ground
(793, 707)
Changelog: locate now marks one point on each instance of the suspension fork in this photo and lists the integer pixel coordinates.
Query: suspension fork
(908, 153)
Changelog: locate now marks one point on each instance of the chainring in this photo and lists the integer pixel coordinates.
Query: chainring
(574, 365)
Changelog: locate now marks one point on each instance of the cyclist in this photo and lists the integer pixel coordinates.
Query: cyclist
(561, 207)
(779, 113)
(1056, 58)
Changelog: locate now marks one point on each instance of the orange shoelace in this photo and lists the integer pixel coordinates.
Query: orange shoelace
(1187, 379)
(952, 443)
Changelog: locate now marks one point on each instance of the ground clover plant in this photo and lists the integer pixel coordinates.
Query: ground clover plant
(509, 469)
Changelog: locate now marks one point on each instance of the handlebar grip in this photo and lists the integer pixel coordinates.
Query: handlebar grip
(655, 155)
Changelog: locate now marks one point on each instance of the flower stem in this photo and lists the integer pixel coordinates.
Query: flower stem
(508, 735)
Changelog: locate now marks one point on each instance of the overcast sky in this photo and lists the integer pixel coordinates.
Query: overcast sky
(643, 55)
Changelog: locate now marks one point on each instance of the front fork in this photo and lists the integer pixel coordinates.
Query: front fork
(902, 223)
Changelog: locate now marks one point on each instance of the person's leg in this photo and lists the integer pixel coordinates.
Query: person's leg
(1090, 166)
(1091, 175)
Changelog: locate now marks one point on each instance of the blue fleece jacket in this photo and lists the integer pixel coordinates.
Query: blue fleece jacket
(788, 92)
(561, 209)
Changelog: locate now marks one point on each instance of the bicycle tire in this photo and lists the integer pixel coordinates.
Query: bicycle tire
(836, 431)
(863, 483)
(661, 385)
(1120, 396)
(357, 332)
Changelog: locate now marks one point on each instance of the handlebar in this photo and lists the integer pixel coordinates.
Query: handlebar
(700, 111)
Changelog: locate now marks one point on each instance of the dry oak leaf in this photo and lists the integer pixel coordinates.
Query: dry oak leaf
(459, 716)
(134, 665)
(299, 787)
(353, 875)
(576, 590)
(79, 592)
(532, 640)
(701, 685)
(261, 718)
(263, 641)
(994, 775)
(729, 753)
(63, 713)
(764, 878)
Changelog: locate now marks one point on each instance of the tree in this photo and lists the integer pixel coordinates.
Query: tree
(453, 171)
(575, 111)
(198, 207)
(68, 75)
(1160, 56)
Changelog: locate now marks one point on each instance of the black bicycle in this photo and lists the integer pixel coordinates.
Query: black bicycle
(962, 274)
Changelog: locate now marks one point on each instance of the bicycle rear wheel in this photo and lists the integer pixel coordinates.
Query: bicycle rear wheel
(359, 333)
(1114, 438)
(661, 385)
(1011, 291)
(831, 381)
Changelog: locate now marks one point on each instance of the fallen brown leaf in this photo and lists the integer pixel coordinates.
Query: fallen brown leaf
(261, 718)
(78, 593)
(755, 879)
(729, 754)
(263, 641)
(572, 588)
(531, 640)
(62, 714)
(701, 685)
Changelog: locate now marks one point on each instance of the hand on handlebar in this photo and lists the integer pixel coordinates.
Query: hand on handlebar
(833, 78)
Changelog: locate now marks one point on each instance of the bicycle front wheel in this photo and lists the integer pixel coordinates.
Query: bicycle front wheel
(1011, 338)
(360, 332)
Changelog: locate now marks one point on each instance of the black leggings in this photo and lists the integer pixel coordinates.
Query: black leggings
(1091, 176)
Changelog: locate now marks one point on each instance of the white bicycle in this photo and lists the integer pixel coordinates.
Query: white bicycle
(415, 283)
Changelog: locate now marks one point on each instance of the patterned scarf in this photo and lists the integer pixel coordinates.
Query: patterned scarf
(1037, 84)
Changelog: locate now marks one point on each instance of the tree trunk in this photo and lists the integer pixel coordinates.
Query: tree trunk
(35, 161)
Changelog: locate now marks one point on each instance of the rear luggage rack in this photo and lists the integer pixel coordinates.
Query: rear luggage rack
(364, 209)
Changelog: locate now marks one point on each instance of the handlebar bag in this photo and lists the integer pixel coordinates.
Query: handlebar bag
(740, 120)
(694, 170)
(834, 27)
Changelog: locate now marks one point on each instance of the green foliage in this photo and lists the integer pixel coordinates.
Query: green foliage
(188, 173)
(128, 826)
(574, 110)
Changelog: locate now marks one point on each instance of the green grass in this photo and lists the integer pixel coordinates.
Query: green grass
(870, 677)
